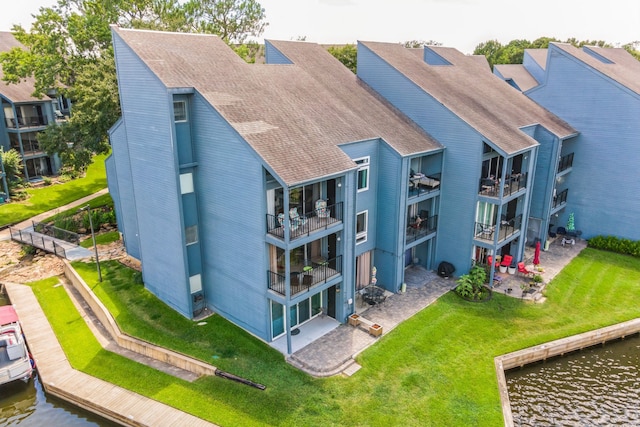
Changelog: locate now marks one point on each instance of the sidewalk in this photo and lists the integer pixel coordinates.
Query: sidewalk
(5, 235)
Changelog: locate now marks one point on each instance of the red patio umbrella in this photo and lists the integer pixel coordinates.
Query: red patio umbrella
(536, 254)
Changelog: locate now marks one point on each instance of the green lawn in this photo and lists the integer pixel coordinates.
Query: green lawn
(50, 197)
(436, 369)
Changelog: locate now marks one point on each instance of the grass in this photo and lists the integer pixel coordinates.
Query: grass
(436, 369)
(47, 198)
(101, 239)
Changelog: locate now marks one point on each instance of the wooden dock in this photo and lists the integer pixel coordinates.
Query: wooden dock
(61, 380)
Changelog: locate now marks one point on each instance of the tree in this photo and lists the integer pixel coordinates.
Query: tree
(633, 48)
(490, 49)
(12, 163)
(68, 50)
(347, 54)
(420, 43)
(232, 20)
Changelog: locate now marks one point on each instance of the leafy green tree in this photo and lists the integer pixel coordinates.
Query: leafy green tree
(232, 20)
(347, 54)
(420, 43)
(633, 48)
(12, 163)
(491, 49)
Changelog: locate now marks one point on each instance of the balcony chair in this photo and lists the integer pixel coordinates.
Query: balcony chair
(296, 219)
(523, 270)
(321, 209)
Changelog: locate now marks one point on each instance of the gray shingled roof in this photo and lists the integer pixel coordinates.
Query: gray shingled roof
(294, 117)
(539, 56)
(22, 91)
(518, 74)
(624, 70)
(479, 98)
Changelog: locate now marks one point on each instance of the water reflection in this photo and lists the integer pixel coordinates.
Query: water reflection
(594, 387)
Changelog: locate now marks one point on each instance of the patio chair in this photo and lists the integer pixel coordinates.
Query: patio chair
(523, 270)
(490, 262)
(506, 260)
(296, 219)
(321, 209)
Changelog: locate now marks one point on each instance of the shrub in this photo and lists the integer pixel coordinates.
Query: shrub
(471, 285)
(616, 244)
(67, 223)
(46, 180)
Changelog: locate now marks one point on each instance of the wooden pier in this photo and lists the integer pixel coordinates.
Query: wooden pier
(61, 380)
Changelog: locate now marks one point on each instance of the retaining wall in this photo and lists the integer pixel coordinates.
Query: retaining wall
(552, 349)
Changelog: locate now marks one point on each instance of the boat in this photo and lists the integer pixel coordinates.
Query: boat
(15, 361)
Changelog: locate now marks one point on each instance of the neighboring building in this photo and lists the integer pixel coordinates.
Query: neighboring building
(22, 116)
(495, 140)
(268, 192)
(596, 90)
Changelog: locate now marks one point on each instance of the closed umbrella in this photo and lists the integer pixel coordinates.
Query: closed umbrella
(536, 254)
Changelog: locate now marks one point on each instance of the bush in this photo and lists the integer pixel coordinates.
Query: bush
(616, 244)
(46, 180)
(67, 223)
(471, 285)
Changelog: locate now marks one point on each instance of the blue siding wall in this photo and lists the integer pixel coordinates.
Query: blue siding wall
(463, 157)
(432, 58)
(121, 189)
(603, 185)
(391, 205)
(273, 55)
(533, 68)
(152, 153)
(231, 193)
(366, 200)
(546, 164)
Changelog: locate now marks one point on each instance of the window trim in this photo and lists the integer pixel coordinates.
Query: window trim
(186, 114)
(364, 164)
(362, 236)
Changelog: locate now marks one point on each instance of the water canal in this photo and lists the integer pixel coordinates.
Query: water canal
(598, 386)
(26, 405)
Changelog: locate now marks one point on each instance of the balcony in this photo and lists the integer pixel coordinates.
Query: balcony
(420, 184)
(507, 228)
(26, 122)
(421, 228)
(565, 163)
(304, 225)
(318, 272)
(513, 184)
(560, 199)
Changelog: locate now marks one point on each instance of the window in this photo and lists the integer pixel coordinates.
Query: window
(186, 183)
(180, 111)
(363, 173)
(191, 234)
(361, 227)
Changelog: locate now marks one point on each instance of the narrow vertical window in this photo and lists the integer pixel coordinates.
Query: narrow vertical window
(180, 111)
(363, 173)
(361, 227)
(191, 234)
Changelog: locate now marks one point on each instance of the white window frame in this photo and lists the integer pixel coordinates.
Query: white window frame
(361, 236)
(184, 109)
(363, 165)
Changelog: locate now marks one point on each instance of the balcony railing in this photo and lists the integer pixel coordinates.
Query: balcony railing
(302, 281)
(421, 228)
(507, 228)
(420, 184)
(514, 183)
(560, 199)
(303, 225)
(26, 122)
(565, 162)
(27, 147)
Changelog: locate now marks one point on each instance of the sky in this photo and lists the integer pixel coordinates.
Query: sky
(462, 24)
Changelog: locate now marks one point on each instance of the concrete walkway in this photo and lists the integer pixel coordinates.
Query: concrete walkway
(334, 352)
(60, 379)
